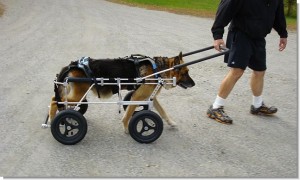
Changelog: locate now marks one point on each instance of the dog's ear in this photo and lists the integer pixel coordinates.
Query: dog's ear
(176, 60)
(180, 56)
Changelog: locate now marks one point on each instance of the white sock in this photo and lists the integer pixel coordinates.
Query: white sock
(257, 101)
(218, 102)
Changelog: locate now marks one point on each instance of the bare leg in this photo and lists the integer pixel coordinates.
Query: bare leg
(216, 111)
(229, 81)
(257, 82)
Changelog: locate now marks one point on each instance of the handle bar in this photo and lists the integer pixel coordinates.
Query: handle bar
(224, 51)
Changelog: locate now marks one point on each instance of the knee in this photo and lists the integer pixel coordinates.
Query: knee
(258, 74)
(236, 73)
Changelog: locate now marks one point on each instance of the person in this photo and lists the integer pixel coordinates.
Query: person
(250, 22)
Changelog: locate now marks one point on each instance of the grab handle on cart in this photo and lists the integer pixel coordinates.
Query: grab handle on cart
(224, 51)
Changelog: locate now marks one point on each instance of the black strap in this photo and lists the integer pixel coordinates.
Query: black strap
(137, 67)
(90, 74)
(97, 86)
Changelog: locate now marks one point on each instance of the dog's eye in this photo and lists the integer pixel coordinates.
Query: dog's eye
(184, 74)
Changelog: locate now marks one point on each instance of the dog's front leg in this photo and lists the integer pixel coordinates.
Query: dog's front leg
(162, 113)
(128, 113)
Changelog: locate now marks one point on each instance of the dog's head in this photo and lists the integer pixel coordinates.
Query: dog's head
(183, 78)
(182, 74)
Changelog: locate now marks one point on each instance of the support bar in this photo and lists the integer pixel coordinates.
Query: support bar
(224, 51)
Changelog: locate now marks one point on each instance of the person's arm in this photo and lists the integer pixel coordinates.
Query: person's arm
(280, 22)
(226, 11)
(280, 26)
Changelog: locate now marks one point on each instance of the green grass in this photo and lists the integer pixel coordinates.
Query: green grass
(291, 23)
(204, 8)
(210, 5)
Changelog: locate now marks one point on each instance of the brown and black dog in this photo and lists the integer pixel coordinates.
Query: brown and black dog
(121, 68)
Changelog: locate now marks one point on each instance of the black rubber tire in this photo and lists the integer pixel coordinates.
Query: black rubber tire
(128, 97)
(71, 120)
(141, 123)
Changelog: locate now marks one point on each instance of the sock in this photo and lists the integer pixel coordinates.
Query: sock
(218, 102)
(257, 101)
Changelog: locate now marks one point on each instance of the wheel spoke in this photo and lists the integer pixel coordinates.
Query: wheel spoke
(143, 126)
(145, 123)
(69, 126)
(150, 126)
(67, 123)
(66, 131)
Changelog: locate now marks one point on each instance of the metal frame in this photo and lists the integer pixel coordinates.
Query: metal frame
(103, 82)
(138, 81)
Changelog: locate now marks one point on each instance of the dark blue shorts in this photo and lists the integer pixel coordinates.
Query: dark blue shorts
(245, 51)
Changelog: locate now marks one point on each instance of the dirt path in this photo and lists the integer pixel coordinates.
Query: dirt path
(39, 37)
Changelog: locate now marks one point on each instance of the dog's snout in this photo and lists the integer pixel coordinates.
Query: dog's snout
(190, 83)
(186, 81)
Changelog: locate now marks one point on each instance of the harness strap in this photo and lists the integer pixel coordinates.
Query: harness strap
(137, 58)
(96, 84)
(136, 65)
(83, 64)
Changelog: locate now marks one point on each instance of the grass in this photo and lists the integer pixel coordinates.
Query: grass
(291, 23)
(179, 4)
(202, 8)
(1, 9)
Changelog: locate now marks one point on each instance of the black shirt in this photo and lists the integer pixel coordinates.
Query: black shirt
(254, 17)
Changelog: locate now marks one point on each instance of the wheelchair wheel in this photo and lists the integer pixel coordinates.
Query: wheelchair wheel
(145, 126)
(69, 127)
(128, 97)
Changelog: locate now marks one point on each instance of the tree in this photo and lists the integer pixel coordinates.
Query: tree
(290, 4)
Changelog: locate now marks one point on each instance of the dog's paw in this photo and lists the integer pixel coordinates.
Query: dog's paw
(126, 131)
(172, 124)
(49, 120)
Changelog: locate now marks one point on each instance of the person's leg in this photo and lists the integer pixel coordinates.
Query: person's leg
(237, 59)
(229, 81)
(216, 111)
(227, 85)
(258, 64)
(257, 84)
(258, 106)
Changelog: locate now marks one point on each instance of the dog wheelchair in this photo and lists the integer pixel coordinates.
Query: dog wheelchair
(69, 125)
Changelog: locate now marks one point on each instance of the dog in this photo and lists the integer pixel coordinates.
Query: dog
(119, 68)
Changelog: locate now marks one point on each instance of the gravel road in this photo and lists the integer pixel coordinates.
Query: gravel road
(37, 38)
